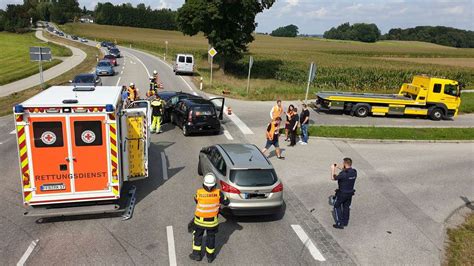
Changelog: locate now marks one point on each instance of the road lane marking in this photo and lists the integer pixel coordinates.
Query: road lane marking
(171, 248)
(163, 166)
(118, 81)
(12, 132)
(141, 62)
(307, 242)
(227, 133)
(27, 253)
(121, 72)
(239, 123)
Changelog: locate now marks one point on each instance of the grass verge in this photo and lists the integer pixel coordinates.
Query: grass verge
(7, 102)
(467, 103)
(460, 250)
(394, 133)
(15, 51)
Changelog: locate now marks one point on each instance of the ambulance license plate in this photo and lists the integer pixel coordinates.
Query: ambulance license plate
(50, 187)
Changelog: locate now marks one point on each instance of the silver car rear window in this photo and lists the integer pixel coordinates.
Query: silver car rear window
(253, 177)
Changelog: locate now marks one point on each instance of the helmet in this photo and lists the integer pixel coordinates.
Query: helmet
(155, 72)
(151, 77)
(132, 84)
(209, 182)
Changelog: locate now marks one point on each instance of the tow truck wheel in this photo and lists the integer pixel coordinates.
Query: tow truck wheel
(361, 110)
(436, 114)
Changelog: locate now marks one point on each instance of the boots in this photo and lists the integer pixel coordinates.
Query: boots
(196, 255)
(210, 257)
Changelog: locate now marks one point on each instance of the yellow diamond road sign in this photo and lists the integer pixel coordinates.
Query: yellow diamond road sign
(212, 52)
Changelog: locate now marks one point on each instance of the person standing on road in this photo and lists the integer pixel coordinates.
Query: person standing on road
(304, 122)
(288, 114)
(294, 127)
(157, 106)
(208, 201)
(346, 181)
(276, 111)
(273, 133)
(132, 92)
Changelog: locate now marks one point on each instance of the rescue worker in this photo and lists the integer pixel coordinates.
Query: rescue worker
(276, 111)
(157, 106)
(132, 92)
(343, 199)
(208, 201)
(273, 134)
(152, 91)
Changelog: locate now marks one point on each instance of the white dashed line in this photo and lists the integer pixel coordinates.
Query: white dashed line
(138, 59)
(27, 253)
(171, 248)
(227, 133)
(163, 166)
(118, 81)
(308, 243)
(241, 125)
(121, 72)
(12, 132)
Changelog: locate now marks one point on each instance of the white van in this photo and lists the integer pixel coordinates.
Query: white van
(184, 64)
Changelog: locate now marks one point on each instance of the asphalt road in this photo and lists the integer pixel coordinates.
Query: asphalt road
(390, 199)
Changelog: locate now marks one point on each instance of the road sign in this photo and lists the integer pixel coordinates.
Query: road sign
(251, 62)
(212, 52)
(40, 54)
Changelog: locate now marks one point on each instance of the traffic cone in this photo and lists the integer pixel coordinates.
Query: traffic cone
(229, 110)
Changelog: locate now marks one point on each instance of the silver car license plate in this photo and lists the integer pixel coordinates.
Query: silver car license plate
(51, 187)
(103, 72)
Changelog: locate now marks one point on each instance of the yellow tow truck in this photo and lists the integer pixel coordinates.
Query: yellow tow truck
(436, 98)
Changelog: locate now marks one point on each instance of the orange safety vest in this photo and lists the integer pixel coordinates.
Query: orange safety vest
(271, 133)
(150, 93)
(208, 203)
(277, 111)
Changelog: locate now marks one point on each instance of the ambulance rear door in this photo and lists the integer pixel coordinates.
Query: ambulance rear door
(135, 122)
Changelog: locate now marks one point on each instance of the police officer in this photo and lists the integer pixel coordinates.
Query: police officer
(208, 201)
(346, 180)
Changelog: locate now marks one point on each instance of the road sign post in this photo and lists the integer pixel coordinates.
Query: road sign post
(311, 76)
(212, 52)
(40, 54)
(248, 78)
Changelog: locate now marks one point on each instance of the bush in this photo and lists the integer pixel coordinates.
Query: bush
(358, 32)
(287, 31)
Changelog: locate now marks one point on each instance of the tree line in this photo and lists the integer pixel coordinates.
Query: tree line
(370, 33)
(439, 35)
(287, 31)
(139, 16)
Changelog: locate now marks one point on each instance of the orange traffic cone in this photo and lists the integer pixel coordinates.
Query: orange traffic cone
(229, 110)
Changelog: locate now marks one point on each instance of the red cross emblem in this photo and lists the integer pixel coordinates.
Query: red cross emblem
(48, 137)
(88, 136)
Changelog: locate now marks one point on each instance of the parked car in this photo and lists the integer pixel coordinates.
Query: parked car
(86, 79)
(112, 59)
(105, 44)
(184, 64)
(60, 33)
(74, 37)
(245, 176)
(104, 67)
(115, 52)
(171, 98)
(198, 115)
(84, 40)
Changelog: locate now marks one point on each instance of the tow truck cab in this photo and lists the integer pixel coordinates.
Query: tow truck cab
(436, 98)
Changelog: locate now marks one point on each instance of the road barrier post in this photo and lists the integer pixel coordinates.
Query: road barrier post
(200, 84)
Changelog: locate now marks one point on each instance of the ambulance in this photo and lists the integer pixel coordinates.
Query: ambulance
(77, 146)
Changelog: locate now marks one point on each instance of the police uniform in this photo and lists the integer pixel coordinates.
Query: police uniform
(346, 180)
(206, 220)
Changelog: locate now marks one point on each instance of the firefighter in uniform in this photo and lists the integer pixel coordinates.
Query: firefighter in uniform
(132, 92)
(152, 91)
(208, 201)
(157, 106)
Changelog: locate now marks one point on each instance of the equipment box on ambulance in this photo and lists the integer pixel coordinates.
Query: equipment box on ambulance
(79, 145)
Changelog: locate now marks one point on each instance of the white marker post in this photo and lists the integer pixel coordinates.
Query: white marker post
(212, 52)
(248, 78)
(166, 50)
(311, 76)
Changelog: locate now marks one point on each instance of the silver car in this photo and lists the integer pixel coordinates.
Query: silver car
(245, 176)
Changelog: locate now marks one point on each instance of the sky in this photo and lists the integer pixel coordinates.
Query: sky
(317, 16)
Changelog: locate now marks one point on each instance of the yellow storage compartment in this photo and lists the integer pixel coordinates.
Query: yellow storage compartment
(136, 145)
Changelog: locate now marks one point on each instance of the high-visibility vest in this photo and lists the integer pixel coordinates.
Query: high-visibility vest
(132, 93)
(208, 203)
(150, 93)
(271, 133)
(277, 111)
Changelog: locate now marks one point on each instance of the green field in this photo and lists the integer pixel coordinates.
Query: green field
(392, 133)
(281, 64)
(15, 56)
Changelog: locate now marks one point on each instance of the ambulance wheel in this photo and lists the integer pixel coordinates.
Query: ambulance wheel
(199, 168)
(436, 114)
(361, 110)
